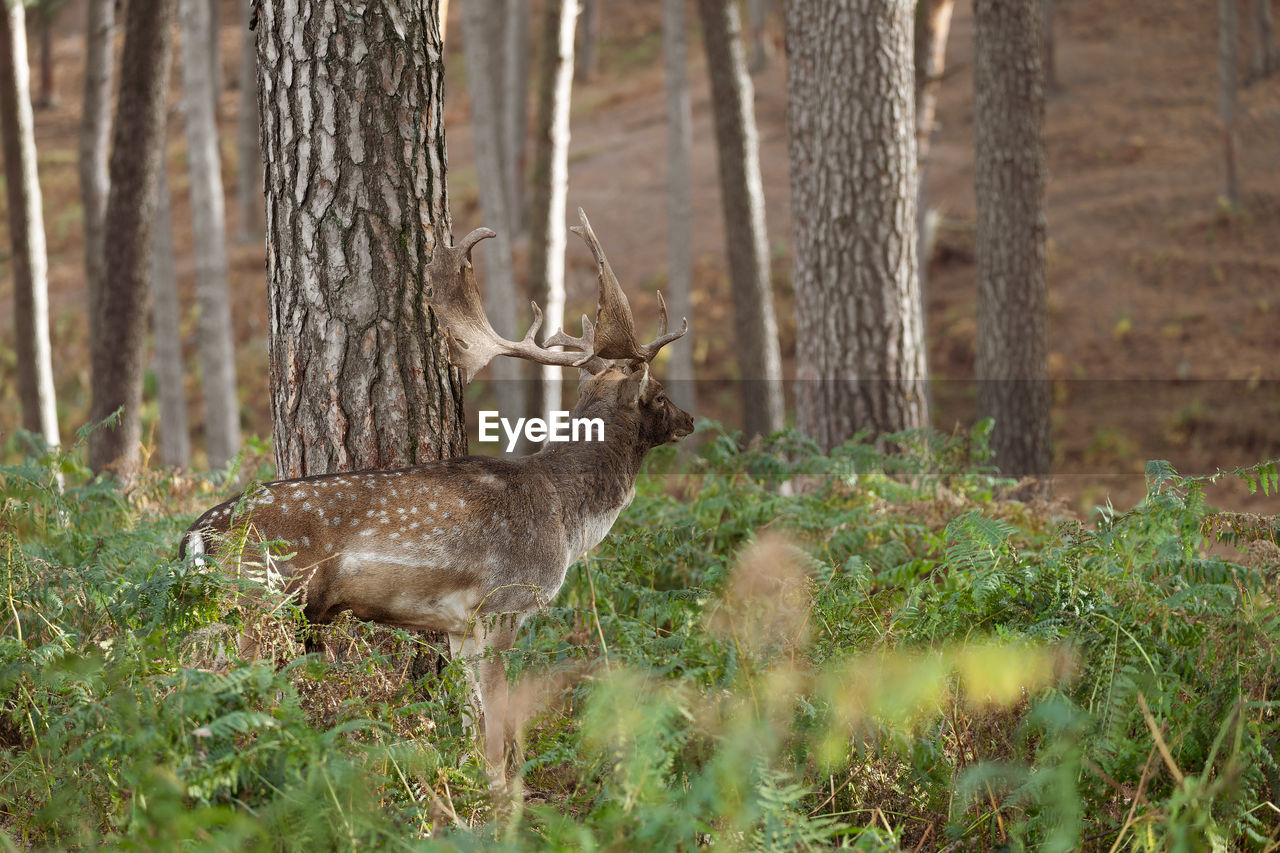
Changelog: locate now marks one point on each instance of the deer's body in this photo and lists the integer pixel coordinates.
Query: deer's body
(466, 546)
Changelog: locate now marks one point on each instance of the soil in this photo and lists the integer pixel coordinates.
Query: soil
(1164, 302)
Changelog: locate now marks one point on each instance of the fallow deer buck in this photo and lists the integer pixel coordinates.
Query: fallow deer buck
(472, 546)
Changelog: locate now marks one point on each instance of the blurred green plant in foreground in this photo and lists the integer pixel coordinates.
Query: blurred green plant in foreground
(775, 649)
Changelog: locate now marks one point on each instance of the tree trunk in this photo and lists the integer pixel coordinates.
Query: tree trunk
(680, 376)
(1228, 32)
(1050, 49)
(761, 53)
(118, 319)
(95, 135)
(585, 58)
(215, 337)
(48, 94)
(550, 183)
(1266, 58)
(166, 333)
(1012, 353)
(248, 155)
(515, 103)
(483, 52)
(214, 48)
(26, 231)
(353, 143)
(860, 360)
(742, 195)
(933, 24)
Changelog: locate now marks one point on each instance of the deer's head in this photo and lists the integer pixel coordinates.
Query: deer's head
(614, 364)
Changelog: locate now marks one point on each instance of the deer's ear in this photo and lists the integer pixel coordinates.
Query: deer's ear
(633, 387)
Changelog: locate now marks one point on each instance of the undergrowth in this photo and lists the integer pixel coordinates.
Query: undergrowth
(773, 649)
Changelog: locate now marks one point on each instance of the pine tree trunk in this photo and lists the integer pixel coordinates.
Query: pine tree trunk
(1012, 353)
(354, 149)
(742, 196)
(680, 377)
(550, 183)
(1228, 33)
(95, 135)
(26, 231)
(589, 22)
(515, 102)
(166, 333)
(482, 46)
(1266, 57)
(215, 336)
(757, 11)
(933, 24)
(214, 50)
(118, 319)
(860, 361)
(248, 156)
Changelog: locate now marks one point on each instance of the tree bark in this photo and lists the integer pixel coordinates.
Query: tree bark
(1228, 33)
(860, 360)
(933, 24)
(166, 333)
(550, 183)
(118, 319)
(585, 58)
(215, 337)
(680, 376)
(757, 11)
(95, 135)
(214, 50)
(742, 196)
(26, 231)
(482, 46)
(248, 156)
(515, 103)
(1266, 57)
(1012, 353)
(215, 340)
(353, 143)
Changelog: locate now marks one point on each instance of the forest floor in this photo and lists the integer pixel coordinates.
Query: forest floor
(1164, 304)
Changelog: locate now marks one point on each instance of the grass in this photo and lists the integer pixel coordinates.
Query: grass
(774, 649)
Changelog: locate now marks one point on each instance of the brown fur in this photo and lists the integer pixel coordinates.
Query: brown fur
(467, 546)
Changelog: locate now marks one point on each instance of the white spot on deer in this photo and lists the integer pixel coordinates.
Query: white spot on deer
(367, 532)
(413, 510)
(431, 505)
(319, 512)
(369, 514)
(306, 506)
(444, 514)
(306, 541)
(400, 510)
(437, 531)
(394, 493)
(284, 509)
(384, 520)
(461, 502)
(298, 493)
(395, 535)
(328, 547)
(414, 526)
(382, 501)
(314, 493)
(354, 522)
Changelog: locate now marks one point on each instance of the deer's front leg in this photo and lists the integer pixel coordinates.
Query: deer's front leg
(497, 728)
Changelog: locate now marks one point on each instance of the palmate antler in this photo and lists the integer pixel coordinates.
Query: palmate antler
(473, 343)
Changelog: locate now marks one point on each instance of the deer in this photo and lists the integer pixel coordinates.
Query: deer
(472, 546)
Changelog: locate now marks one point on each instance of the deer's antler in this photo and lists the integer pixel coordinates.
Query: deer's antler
(615, 336)
(473, 343)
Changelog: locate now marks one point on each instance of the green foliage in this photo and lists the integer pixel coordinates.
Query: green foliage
(774, 649)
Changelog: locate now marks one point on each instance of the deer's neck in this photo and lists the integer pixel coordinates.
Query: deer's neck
(595, 481)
